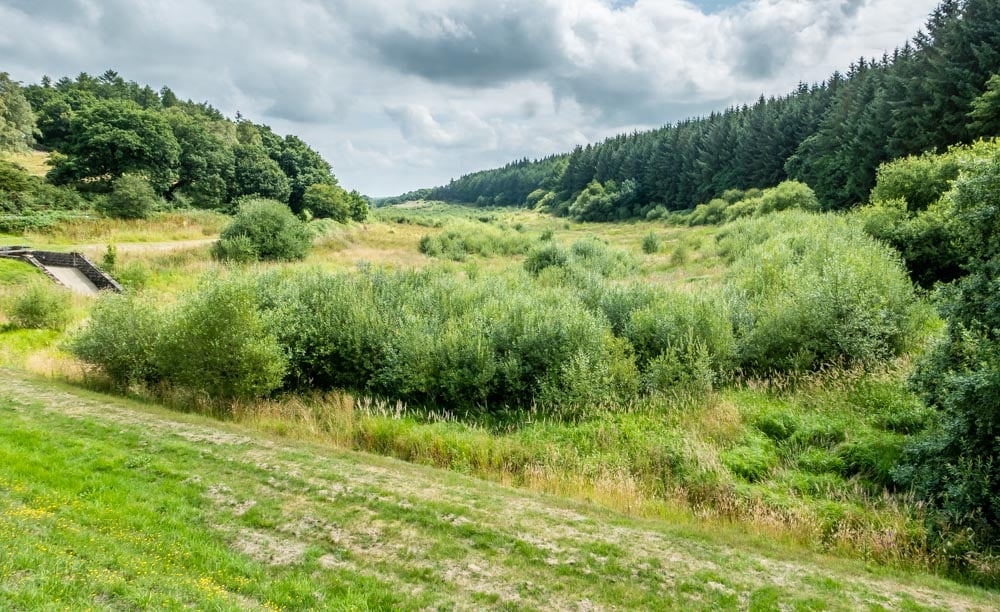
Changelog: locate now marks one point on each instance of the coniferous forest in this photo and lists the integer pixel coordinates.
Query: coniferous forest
(933, 92)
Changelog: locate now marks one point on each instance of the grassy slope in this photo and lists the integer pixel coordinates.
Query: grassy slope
(35, 162)
(116, 504)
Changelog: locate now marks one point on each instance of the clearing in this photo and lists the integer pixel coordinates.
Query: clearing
(114, 503)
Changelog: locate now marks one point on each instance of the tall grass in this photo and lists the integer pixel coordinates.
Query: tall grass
(462, 239)
(161, 227)
(669, 455)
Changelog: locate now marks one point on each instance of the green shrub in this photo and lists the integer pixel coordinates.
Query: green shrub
(432, 338)
(121, 339)
(788, 195)
(952, 466)
(744, 208)
(689, 368)
(589, 248)
(131, 197)
(590, 378)
(462, 239)
(110, 258)
(680, 341)
(814, 290)
(597, 202)
(615, 302)
(215, 342)
(428, 246)
(918, 180)
(269, 227)
(239, 249)
(549, 255)
(595, 256)
(335, 329)
(754, 202)
(40, 305)
(133, 275)
(927, 241)
(535, 197)
(689, 328)
(913, 211)
(324, 200)
(657, 212)
(679, 256)
(709, 214)
(650, 243)
(13, 178)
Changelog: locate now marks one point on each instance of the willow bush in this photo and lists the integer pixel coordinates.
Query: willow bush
(810, 290)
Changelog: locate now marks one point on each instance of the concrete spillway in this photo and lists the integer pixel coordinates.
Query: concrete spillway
(74, 279)
(72, 270)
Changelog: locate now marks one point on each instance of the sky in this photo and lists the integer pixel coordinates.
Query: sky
(402, 94)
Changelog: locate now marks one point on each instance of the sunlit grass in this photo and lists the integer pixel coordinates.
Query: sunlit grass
(92, 515)
(35, 162)
(116, 504)
(162, 227)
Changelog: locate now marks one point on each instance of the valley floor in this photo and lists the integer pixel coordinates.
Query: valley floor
(116, 504)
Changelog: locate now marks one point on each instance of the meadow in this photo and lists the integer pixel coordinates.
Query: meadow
(655, 409)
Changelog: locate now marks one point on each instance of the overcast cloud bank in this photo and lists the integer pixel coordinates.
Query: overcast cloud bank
(401, 94)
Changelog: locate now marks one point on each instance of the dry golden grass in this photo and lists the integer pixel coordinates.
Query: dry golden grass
(720, 421)
(35, 162)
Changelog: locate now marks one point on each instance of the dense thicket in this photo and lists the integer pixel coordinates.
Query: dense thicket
(927, 95)
(913, 210)
(953, 465)
(564, 333)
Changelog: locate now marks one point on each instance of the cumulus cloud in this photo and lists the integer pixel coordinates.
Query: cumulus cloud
(405, 93)
(420, 127)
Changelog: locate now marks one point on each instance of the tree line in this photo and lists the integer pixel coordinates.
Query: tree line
(937, 90)
(104, 128)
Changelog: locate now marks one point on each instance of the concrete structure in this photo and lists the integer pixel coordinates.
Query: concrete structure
(73, 270)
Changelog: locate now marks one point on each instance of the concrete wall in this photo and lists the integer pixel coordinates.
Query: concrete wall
(80, 262)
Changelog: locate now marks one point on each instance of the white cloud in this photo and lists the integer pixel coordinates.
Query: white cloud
(400, 94)
(464, 128)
